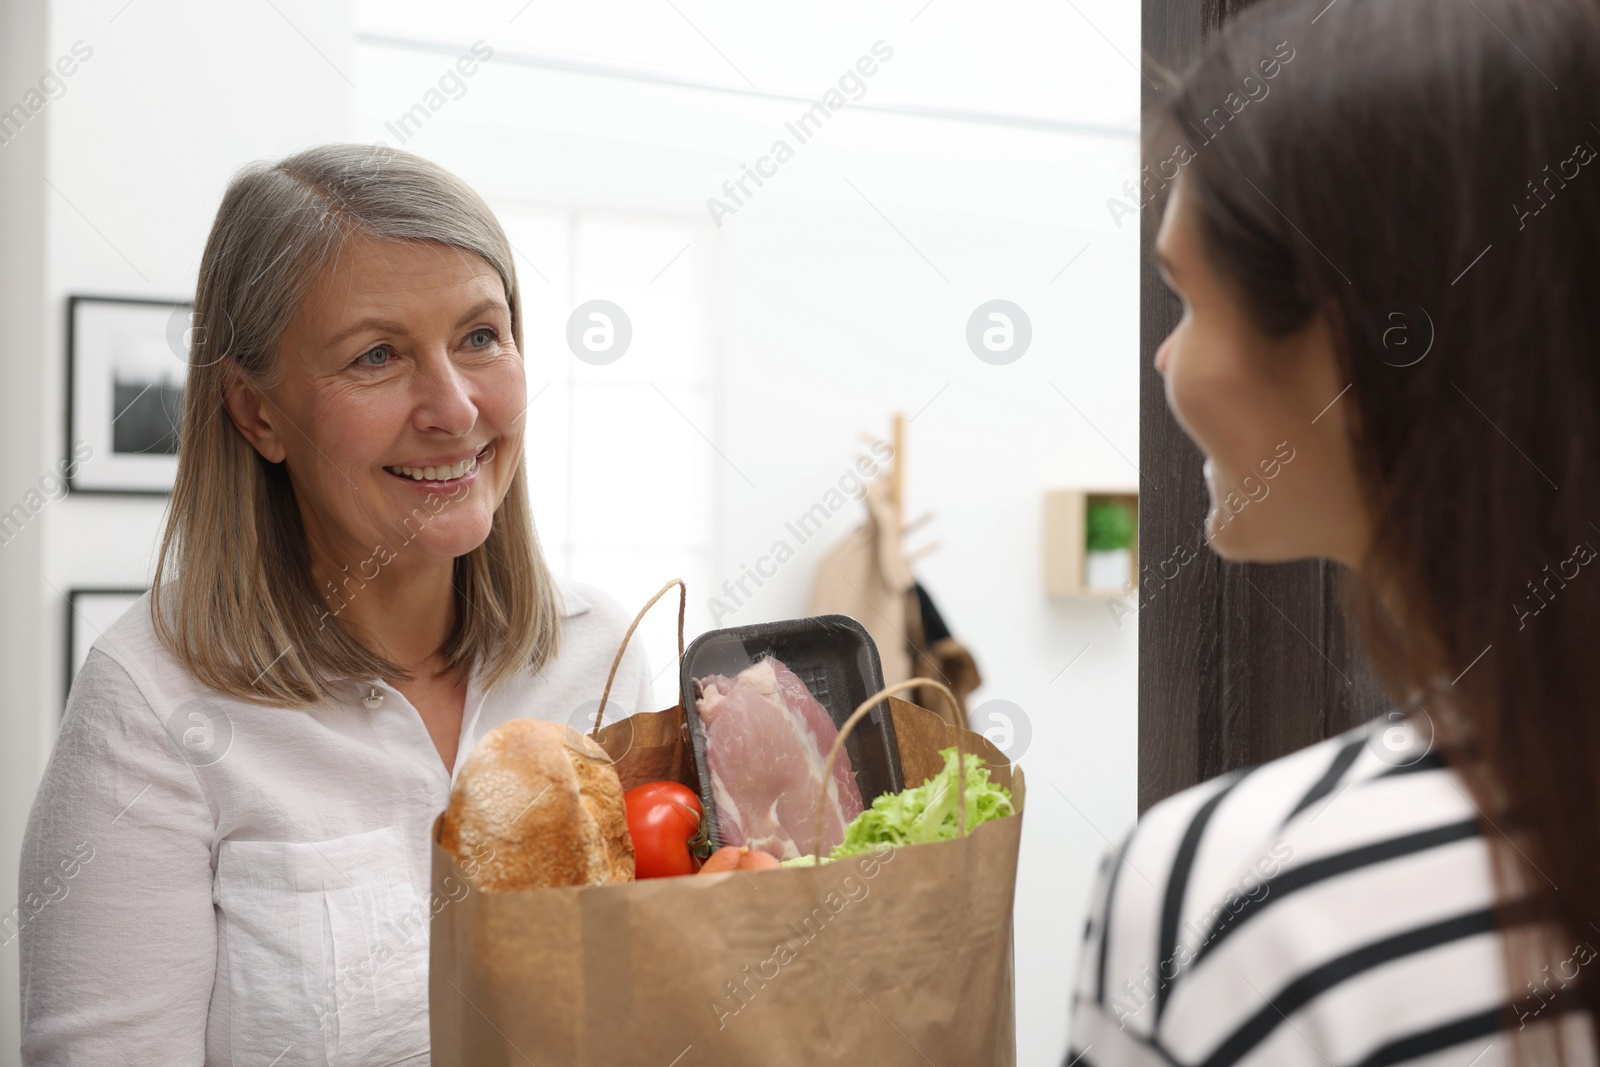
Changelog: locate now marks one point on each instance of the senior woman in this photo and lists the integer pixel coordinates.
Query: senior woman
(350, 593)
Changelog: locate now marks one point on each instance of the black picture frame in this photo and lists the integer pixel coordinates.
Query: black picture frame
(150, 331)
(80, 606)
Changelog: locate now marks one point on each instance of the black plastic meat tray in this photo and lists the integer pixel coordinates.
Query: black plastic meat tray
(838, 661)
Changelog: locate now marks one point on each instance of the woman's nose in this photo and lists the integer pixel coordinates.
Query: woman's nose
(444, 402)
(1163, 354)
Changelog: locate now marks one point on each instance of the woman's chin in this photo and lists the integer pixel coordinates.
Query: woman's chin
(449, 544)
(1238, 543)
(457, 549)
(1218, 536)
(1228, 540)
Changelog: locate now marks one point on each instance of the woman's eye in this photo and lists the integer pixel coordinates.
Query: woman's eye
(376, 357)
(482, 338)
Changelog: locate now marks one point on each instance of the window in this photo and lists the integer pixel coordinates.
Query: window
(620, 455)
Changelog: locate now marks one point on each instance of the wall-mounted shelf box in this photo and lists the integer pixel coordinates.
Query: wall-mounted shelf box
(1066, 555)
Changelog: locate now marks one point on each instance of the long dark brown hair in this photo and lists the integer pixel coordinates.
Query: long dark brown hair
(1425, 173)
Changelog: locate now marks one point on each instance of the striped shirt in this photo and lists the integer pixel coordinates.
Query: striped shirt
(1331, 908)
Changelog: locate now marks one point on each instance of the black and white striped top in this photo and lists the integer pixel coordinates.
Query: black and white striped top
(1331, 908)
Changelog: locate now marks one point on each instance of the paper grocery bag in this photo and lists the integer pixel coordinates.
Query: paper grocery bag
(650, 746)
(898, 957)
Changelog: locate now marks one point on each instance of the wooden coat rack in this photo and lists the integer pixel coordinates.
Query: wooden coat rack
(897, 487)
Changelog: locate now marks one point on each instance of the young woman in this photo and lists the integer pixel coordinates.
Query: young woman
(232, 836)
(1383, 221)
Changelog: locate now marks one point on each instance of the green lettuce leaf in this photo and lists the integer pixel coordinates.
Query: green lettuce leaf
(923, 813)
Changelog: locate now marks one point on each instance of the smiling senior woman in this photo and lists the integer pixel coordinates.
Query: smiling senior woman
(350, 593)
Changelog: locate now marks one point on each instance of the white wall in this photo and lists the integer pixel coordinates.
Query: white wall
(23, 45)
(824, 318)
(141, 148)
(175, 96)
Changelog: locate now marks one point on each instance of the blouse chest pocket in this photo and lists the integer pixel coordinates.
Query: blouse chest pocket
(327, 946)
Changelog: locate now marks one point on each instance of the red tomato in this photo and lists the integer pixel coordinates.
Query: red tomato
(663, 820)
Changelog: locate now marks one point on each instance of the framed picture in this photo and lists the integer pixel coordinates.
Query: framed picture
(90, 612)
(126, 365)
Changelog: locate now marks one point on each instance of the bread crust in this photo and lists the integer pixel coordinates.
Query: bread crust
(538, 805)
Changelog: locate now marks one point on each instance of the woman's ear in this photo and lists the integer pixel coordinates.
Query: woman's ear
(250, 415)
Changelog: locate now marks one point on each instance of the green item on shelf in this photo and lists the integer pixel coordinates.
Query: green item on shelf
(1110, 525)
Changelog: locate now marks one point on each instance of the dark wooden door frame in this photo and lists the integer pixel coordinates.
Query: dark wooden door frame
(1237, 663)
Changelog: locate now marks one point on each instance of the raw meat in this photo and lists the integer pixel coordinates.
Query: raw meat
(767, 741)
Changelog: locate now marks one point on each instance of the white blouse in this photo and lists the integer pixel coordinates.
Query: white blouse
(207, 881)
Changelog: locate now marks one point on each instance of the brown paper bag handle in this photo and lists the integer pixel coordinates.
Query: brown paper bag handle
(683, 603)
(850, 723)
